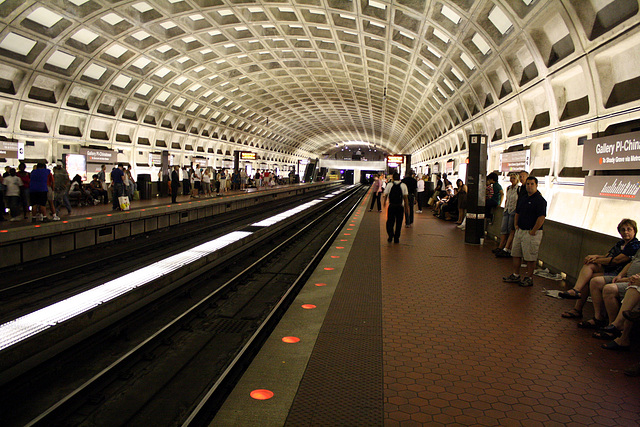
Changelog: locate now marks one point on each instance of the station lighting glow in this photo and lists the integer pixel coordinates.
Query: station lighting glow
(19, 329)
(291, 340)
(308, 306)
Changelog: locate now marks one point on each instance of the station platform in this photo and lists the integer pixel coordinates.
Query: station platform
(24, 241)
(425, 332)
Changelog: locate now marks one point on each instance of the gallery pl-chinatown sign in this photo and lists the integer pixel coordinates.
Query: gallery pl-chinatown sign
(618, 152)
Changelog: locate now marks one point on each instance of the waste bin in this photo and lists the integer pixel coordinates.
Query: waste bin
(144, 186)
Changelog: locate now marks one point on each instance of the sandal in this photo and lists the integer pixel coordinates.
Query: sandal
(592, 324)
(567, 295)
(615, 346)
(607, 333)
(572, 314)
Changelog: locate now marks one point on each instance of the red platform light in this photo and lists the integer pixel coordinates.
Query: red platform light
(4, 231)
(339, 247)
(65, 222)
(109, 214)
(344, 240)
(335, 256)
(89, 217)
(261, 394)
(347, 234)
(291, 340)
(308, 306)
(321, 284)
(329, 268)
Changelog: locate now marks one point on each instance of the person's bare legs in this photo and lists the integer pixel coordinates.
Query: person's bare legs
(596, 287)
(610, 297)
(586, 273)
(631, 299)
(510, 239)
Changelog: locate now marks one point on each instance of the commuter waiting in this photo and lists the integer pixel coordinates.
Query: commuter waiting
(606, 295)
(507, 230)
(619, 331)
(608, 265)
(97, 191)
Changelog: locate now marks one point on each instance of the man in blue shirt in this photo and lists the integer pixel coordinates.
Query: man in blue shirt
(117, 182)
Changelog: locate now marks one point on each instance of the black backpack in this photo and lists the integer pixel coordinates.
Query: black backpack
(395, 194)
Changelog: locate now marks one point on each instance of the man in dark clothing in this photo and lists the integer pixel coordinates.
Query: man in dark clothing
(531, 212)
(398, 207)
(117, 181)
(175, 183)
(412, 188)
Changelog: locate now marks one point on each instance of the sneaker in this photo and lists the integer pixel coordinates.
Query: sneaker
(503, 254)
(526, 282)
(512, 278)
(419, 211)
(496, 250)
(39, 218)
(55, 217)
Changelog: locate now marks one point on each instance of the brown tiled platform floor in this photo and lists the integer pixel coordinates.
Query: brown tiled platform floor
(454, 345)
(463, 348)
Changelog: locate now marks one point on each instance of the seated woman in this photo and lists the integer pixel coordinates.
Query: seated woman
(97, 191)
(77, 192)
(606, 293)
(450, 210)
(443, 201)
(603, 265)
(619, 330)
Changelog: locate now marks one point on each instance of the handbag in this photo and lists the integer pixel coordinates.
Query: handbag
(124, 202)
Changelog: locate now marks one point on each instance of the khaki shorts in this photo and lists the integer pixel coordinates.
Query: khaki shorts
(525, 245)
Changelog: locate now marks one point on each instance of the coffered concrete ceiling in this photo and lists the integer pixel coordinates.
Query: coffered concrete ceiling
(288, 77)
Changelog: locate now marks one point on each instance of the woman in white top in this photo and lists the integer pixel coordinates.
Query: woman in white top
(420, 195)
(507, 230)
(206, 182)
(12, 185)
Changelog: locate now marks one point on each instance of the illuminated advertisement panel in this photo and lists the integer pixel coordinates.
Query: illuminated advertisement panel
(76, 165)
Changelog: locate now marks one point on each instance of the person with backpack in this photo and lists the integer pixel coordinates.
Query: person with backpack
(397, 194)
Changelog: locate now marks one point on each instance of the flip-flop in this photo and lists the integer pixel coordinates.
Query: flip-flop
(607, 333)
(572, 314)
(567, 295)
(615, 346)
(597, 324)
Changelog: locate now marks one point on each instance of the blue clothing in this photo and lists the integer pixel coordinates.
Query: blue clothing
(39, 178)
(117, 175)
(629, 250)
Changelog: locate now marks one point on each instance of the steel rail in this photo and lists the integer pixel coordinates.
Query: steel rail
(157, 336)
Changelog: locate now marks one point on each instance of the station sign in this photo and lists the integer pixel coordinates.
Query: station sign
(300, 162)
(395, 159)
(613, 187)
(448, 167)
(515, 161)
(612, 152)
(106, 157)
(247, 155)
(155, 159)
(9, 149)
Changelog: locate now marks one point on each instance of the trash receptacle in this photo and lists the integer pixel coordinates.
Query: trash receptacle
(144, 186)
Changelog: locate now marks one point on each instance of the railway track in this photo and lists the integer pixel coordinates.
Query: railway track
(172, 362)
(38, 283)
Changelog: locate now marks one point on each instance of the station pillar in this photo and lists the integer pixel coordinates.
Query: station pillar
(476, 184)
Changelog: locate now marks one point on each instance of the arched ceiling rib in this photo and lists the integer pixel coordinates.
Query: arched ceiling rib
(295, 76)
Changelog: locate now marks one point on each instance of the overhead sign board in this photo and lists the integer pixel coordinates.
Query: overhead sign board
(612, 152)
(106, 157)
(247, 155)
(395, 159)
(8, 149)
(613, 187)
(515, 161)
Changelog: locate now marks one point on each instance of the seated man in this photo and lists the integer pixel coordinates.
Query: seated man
(97, 191)
(620, 329)
(606, 293)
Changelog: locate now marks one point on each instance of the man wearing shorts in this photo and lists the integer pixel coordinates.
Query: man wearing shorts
(530, 214)
(38, 189)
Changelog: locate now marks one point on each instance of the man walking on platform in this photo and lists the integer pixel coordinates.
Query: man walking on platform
(531, 212)
(412, 187)
(397, 194)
